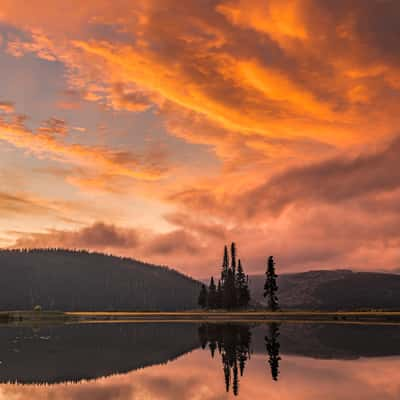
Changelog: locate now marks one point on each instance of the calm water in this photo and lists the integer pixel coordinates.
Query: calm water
(200, 361)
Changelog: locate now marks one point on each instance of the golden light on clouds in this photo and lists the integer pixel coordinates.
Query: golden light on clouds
(196, 109)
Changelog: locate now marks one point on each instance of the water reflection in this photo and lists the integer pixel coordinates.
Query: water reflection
(71, 353)
(233, 343)
(166, 361)
(273, 346)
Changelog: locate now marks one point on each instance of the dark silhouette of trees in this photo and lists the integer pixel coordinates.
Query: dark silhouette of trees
(273, 347)
(233, 258)
(225, 265)
(271, 287)
(232, 290)
(203, 297)
(212, 294)
(68, 280)
(229, 297)
(233, 342)
(242, 286)
(235, 384)
(220, 294)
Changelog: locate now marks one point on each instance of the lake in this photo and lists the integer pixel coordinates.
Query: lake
(200, 361)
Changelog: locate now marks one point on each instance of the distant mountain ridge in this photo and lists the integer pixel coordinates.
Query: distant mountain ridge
(78, 280)
(333, 290)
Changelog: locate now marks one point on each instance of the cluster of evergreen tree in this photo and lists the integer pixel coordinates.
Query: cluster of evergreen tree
(232, 290)
(233, 344)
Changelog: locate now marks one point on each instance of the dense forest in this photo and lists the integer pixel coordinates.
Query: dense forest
(78, 280)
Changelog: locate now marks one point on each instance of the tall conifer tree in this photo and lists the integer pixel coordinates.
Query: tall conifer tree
(230, 296)
(225, 266)
(242, 288)
(271, 287)
(233, 258)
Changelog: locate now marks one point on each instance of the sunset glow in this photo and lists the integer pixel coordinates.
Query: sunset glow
(162, 129)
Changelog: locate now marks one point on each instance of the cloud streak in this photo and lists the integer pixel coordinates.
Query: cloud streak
(48, 141)
(286, 110)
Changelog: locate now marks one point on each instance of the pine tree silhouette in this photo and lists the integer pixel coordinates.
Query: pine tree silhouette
(271, 287)
(233, 258)
(225, 266)
(230, 300)
(243, 293)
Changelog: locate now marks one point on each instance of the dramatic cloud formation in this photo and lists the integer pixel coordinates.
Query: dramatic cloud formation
(272, 123)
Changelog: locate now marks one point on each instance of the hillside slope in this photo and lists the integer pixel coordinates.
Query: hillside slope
(333, 290)
(68, 280)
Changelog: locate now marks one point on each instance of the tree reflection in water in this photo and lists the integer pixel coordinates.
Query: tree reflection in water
(273, 347)
(233, 342)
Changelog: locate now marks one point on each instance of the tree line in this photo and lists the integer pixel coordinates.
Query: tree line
(232, 289)
(67, 280)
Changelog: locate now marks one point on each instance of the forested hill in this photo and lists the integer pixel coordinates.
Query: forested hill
(78, 280)
(333, 290)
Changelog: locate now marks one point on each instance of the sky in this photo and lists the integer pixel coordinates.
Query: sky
(162, 129)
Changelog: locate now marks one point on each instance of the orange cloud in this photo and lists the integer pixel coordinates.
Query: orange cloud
(279, 20)
(47, 141)
(275, 80)
(285, 94)
(6, 106)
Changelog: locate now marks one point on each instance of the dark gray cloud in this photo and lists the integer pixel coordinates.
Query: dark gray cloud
(332, 181)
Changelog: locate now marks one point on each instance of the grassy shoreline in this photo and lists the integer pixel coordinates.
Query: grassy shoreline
(43, 317)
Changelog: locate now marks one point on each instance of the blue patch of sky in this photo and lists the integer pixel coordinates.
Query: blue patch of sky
(38, 86)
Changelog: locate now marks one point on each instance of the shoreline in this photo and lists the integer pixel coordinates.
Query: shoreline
(58, 317)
